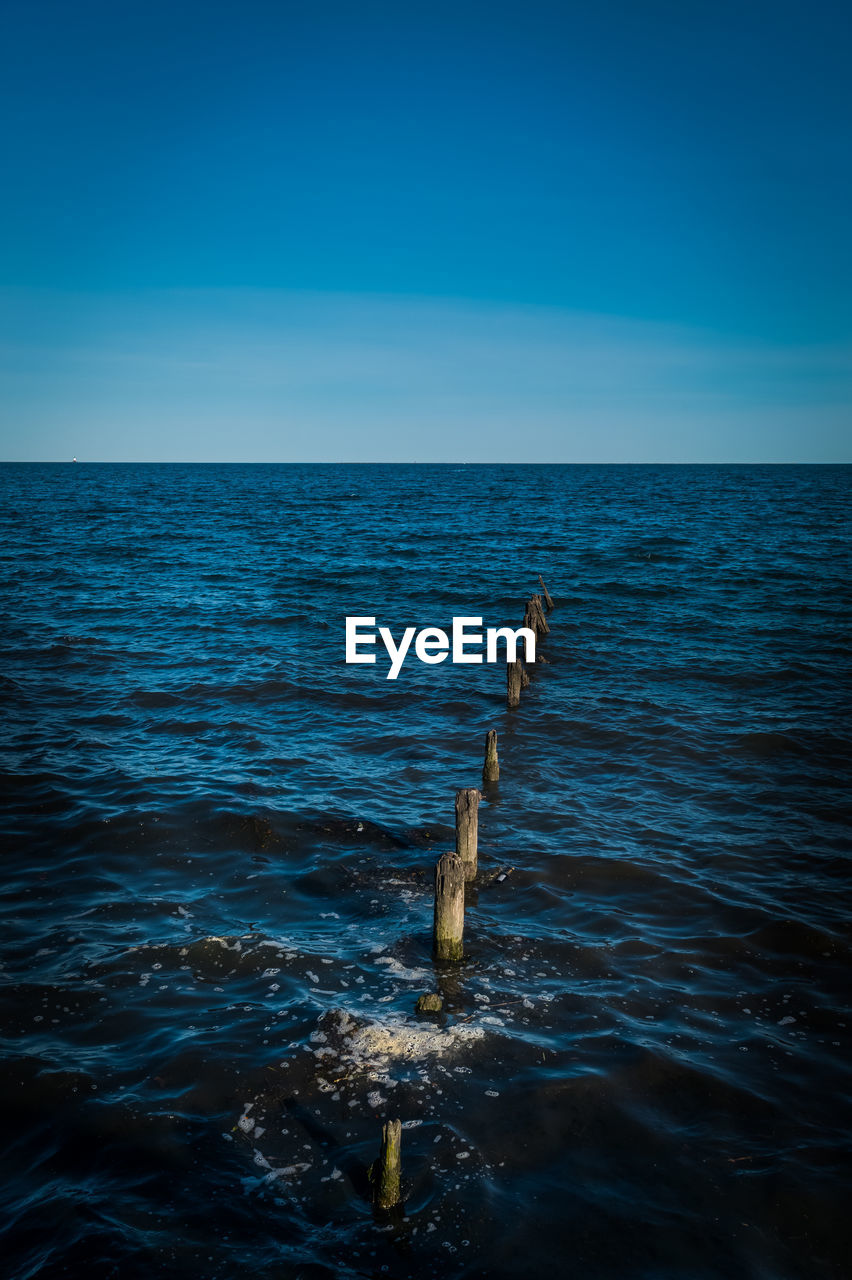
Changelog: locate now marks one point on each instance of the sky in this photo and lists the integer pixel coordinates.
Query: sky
(275, 231)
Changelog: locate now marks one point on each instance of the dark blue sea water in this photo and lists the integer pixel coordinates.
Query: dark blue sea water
(218, 863)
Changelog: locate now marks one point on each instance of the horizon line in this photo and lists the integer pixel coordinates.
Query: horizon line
(410, 462)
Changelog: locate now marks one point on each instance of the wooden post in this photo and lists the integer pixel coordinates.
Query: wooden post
(525, 679)
(467, 828)
(514, 672)
(534, 618)
(384, 1174)
(542, 627)
(491, 768)
(548, 603)
(531, 622)
(449, 907)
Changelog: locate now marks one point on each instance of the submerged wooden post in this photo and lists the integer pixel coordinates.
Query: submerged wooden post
(430, 1003)
(467, 828)
(541, 625)
(525, 679)
(449, 907)
(385, 1172)
(548, 603)
(534, 618)
(514, 673)
(491, 768)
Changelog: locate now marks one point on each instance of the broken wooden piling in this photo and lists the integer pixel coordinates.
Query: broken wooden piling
(530, 622)
(448, 925)
(385, 1172)
(548, 602)
(514, 679)
(491, 768)
(538, 622)
(429, 1003)
(467, 828)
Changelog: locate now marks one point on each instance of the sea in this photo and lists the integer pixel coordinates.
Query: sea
(218, 877)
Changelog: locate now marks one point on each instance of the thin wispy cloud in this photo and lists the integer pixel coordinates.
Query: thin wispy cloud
(271, 375)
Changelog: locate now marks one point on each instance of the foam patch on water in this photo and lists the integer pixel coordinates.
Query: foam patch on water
(384, 1042)
(398, 1040)
(399, 970)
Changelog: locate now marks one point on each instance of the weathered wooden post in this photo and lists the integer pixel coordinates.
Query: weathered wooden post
(467, 828)
(534, 618)
(541, 624)
(449, 907)
(548, 603)
(491, 768)
(384, 1173)
(525, 677)
(514, 675)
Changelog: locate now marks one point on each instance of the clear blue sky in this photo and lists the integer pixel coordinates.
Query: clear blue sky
(553, 231)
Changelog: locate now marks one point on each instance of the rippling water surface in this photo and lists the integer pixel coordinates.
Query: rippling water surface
(220, 841)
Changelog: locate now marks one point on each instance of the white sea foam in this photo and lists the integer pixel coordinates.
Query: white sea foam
(395, 1039)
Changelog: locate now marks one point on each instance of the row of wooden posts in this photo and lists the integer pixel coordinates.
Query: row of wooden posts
(517, 678)
(452, 871)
